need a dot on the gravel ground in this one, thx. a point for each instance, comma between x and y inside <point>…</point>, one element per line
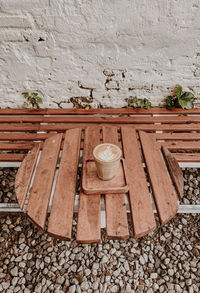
<point>164,261</point>
<point>167,260</point>
<point>7,185</point>
<point>191,177</point>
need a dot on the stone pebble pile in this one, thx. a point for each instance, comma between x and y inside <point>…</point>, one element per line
<point>167,260</point>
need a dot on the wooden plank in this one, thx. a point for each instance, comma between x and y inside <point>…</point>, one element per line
<point>179,145</point>
<point>42,184</point>
<point>16,146</point>
<point>187,157</point>
<point>108,111</point>
<point>177,136</point>
<point>25,136</point>
<point>21,127</point>
<point>60,221</point>
<point>163,191</point>
<point>101,119</point>
<point>88,226</point>
<point>174,170</point>
<point>144,127</point>
<point>116,217</point>
<point>12,157</point>
<point>143,220</point>
<point>24,174</point>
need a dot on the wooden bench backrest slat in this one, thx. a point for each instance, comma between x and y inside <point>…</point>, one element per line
<point>187,157</point>
<point>95,119</point>
<point>24,127</point>
<point>12,157</point>
<point>109,111</point>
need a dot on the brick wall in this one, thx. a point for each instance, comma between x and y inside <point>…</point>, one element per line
<point>97,52</point>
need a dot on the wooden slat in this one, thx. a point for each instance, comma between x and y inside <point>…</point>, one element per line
<point>26,146</point>
<point>116,217</point>
<point>60,221</point>
<point>143,220</point>
<point>174,170</point>
<point>177,136</point>
<point>144,127</point>
<point>88,226</point>
<point>21,127</point>
<point>103,119</point>
<point>24,136</point>
<point>179,145</point>
<point>11,136</point>
<point>16,146</point>
<point>112,111</point>
<point>187,157</point>
<point>24,174</point>
<point>163,191</point>
<point>42,184</point>
<point>12,157</point>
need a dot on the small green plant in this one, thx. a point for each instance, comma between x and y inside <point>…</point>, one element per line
<point>139,103</point>
<point>32,99</point>
<point>87,107</point>
<point>180,99</point>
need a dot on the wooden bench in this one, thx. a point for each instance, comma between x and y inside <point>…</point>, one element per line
<point>150,146</point>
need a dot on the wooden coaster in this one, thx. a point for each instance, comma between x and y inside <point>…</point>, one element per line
<point>92,184</point>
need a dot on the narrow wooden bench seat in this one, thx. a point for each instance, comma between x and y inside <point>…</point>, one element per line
<point>56,145</point>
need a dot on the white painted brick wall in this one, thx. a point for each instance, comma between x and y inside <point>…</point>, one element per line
<point>97,51</point>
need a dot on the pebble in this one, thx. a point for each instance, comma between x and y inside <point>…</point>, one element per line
<point>153,275</point>
<point>171,272</point>
<point>60,280</point>
<point>85,286</point>
<point>74,268</point>
<point>165,262</point>
<point>95,266</point>
<point>14,272</point>
<point>114,289</point>
<point>142,260</point>
<point>72,289</point>
<point>105,259</point>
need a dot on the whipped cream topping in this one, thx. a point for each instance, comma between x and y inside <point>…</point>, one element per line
<point>107,154</point>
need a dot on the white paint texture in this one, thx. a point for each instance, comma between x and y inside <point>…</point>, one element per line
<point>103,51</point>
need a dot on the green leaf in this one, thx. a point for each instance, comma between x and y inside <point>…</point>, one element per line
<point>39,100</point>
<point>148,104</point>
<point>88,107</point>
<point>141,103</point>
<point>188,95</point>
<point>35,94</point>
<point>169,102</point>
<point>25,104</point>
<point>186,101</point>
<point>186,104</point>
<point>132,101</point>
<point>178,90</point>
